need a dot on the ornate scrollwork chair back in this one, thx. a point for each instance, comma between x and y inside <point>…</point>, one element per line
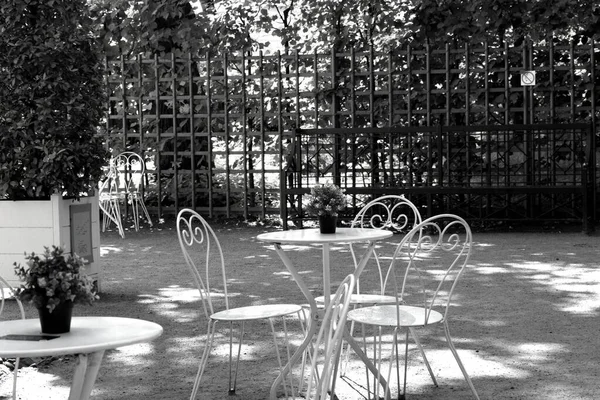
<point>204,258</point>
<point>390,212</point>
<point>130,181</point>
<point>423,273</point>
<point>109,199</point>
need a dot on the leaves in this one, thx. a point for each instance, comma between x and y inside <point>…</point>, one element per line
<point>327,199</point>
<point>53,279</point>
<point>173,26</point>
<point>52,100</point>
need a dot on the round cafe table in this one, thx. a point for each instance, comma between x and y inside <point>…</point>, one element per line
<point>314,236</point>
<point>89,338</point>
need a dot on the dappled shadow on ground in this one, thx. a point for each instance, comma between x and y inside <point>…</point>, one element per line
<point>524,319</point>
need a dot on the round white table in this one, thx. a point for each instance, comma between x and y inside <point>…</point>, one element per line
<point>89,338</point>
<point>314,236</point>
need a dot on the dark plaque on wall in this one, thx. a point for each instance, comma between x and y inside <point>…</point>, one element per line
<point>81,231</point>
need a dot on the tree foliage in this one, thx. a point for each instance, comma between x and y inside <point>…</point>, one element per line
<point>51,95</point>
<point>163,26</point>
<point>148,26</point>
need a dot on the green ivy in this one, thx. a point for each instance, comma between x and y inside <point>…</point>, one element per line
<point>52,97</point>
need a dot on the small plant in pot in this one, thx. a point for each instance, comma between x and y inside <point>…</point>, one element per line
<point>325,202</point>
<point>53,283</point>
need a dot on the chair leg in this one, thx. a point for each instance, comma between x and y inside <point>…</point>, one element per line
<point>345,357</point>
<point>16,373</point>
<point>104,216</point>
<point>233,374</point>
<point>302,317</point>
<point>375,391</point>
<point>210,334</point>
<point>377,361</point>
<point>413,332</point>
<point>395,356</point>
<point>364,335</point>
<point>403,396</point>
<point>117,214</point>
<point>457,358</point>
<point>289,356</point>
<point>136,213</point>
<point>112,212</point>
<point>145,210</point>
<point>107,215</point>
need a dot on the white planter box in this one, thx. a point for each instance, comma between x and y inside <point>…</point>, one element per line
<point>29,225</point>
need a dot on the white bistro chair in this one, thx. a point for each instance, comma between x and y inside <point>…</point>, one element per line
<point>6,292</point>
<point>423,275</point>
<point>389,212</point>
<point>130,168</point>
<point>327,347</point>
<point>204,258</point>
<point>110,199</point>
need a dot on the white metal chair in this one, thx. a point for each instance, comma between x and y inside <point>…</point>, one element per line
<point>423,274</point>
<point>130,173</point>
<point>5,293</point>
<point>328,344</point>
<point>109,199</point>
<point>204,257</point>
<point>390,212</point>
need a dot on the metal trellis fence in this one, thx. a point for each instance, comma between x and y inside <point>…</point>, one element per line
<point>216,131</point>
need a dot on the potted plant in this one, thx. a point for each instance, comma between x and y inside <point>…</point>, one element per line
<point>325,202</point>
<point>53,283</point>
<point>52,103</point>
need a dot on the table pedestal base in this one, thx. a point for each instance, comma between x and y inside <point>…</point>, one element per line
<point>86,371</point>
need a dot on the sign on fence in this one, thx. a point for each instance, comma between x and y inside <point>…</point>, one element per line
<point>528,78</point>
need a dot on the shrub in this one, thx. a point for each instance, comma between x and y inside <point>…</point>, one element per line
<point>52,97</point>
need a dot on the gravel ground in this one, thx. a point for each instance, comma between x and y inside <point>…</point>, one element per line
<point>525,322</point>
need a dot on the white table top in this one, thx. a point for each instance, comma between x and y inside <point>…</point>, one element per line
<point>88,335</point>
<point>341,235</point>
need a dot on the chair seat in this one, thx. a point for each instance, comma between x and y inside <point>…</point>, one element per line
<point>256,312</point>
<point>386,315</point>
<point>368,299</point>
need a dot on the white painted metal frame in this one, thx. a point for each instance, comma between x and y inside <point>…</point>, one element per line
<point>109,199</point>
<point>394,213</point>
<point>130,168</point>
<point>201,247</point>
<point>391,212</point>
<point>6,291</point>
<point>313,236</point>
<point>327,347</point>
<point>424,272</point>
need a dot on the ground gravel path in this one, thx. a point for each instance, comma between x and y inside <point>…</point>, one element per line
<point>525,321</point>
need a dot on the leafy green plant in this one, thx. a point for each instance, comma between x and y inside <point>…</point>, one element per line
<point>52,96</point>
<point>327,199</point>
<point>53,279</point>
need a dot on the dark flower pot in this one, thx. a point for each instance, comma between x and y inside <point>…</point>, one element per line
<point>327,223</point>
<point>57,321</point>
